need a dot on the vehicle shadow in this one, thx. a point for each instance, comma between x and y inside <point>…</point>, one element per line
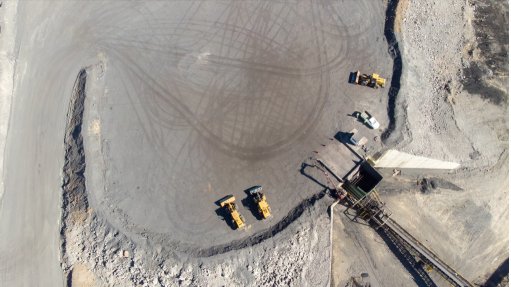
<point>222,213</point>
<point>357,115</point>
<point>343,137</point>
<point>250,204</point>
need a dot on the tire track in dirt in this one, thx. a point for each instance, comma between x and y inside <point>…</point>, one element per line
<point>297,211</point>
<point>172,101</point>
<point>160,108</point>
<point>75,202</point>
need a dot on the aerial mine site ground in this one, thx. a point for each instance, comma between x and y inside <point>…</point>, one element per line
<point>124,124</point>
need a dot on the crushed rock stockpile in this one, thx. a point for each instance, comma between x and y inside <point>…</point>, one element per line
<point>440,106</point>
<point>75,207</point>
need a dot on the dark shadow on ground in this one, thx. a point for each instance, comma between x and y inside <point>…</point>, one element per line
<point>419,275</point>
<point>499,274</point>
<point>343,137</point>
<point>263,235</point>
<point>222,212</point>
<point>395,53</point>
<point>304,173</point>
<point>250,204</point>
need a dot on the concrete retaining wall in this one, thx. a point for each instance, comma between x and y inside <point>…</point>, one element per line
<point>397,159</point>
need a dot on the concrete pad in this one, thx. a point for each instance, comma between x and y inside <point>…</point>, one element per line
<point>397,159</point>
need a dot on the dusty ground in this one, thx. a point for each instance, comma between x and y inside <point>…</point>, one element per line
<point>7,62</point>
<point>170,125</point>
<point>234,104</point>
<point>452,105</point>
<point>466,215</point>
<point>361,256</point>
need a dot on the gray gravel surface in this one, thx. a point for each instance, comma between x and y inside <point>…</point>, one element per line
<point>187,102</point>
<point>466,221</point>
<point>221,98</point>
<point>190,101</point>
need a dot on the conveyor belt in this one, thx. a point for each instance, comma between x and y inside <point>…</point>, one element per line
<point>429,256</point>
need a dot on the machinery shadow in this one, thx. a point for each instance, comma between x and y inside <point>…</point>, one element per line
<point>499,274</point>
<point>249,203</point>
<point>304,173</point>
<point>343,137</point>
<point>356,114</point>
<point>222,213</point>
<point>353,115</point>
<point>419,275</point>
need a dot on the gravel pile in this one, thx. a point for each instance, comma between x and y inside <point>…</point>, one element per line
<point>299,258</point>
<point>465,222</point>
<point>433,43</point>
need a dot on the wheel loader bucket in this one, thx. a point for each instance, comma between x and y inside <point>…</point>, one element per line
<point>255,189</point>
<point>379,80</point>
<point>226,200</point>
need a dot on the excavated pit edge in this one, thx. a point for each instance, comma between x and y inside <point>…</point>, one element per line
<point>263,235</point>
<point>392,133</point>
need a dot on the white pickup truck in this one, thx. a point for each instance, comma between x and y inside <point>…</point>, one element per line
<point>368,119</point>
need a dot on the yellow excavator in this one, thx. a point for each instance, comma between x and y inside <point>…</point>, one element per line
<point>259,200</point>
<point>374,80</point>
<point>229,205</point>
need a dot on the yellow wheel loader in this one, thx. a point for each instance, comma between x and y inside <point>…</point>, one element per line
<point>259,200</point>
<point>229,205</point>
<point>374,80</point>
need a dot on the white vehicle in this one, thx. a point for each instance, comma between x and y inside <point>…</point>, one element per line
<point>369,120</point>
